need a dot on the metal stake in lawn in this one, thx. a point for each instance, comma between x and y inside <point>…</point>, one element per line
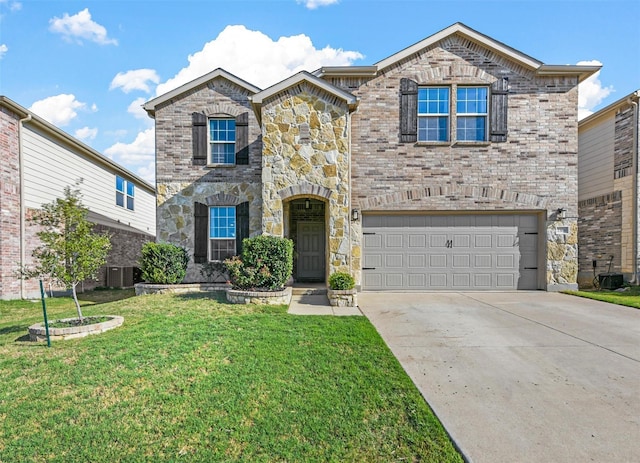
<point>44,311</point>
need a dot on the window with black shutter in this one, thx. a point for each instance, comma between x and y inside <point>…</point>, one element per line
<point>199,136</point>
<point>242,225</point>
<point>408,111</point>
<point>242,139</point>
<point>200,233</point>
<point>499,109</point>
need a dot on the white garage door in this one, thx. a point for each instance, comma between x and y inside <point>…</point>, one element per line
<point>450,252</point>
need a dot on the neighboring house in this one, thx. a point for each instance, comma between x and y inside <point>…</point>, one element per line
<point>608,191</point>
<point>38,161</point>
<point>449,165</point>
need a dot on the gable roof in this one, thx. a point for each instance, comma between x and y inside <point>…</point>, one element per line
<point>485,41</point>
<point>633,97</point>
<point>150,106</point>
<point>55,132</point>
<point>296,79</point>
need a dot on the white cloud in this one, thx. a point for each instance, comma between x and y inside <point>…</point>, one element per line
<point>591,92</point>
<point>86,133</point>
<point>135,108</point>
<point>13,6</point>
<point>58,109</point>
<point>80,26</point>
<point>3,50</point>
<point>313,4</point>
<point>137,79</point>
<point>256,58</point>
<point>138,155</point>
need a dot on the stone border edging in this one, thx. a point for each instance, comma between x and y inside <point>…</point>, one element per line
<point>37,332</point>
<point>237,296</point>
<point>342,297</point>
<point>152,288</point>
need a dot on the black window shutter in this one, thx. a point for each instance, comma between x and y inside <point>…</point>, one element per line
<point>499,107</point>
<point>408,111</point>
<point>242,139</point>
<point>199,134</point>
<point>242,225</point>
<point>200,233</point>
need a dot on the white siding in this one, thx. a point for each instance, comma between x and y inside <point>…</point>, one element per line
<point>50,165</point>
<point>595,159</point>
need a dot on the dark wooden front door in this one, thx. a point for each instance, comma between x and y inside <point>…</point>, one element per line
<point>310,242</point>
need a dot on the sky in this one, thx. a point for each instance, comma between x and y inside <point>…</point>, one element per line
<point>88,66</point>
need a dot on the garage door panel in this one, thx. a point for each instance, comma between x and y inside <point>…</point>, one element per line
<point>470,251</point>
<point>417,261</point>
<point>461,280</point>
<point>394,280</point>
<point>461,261</point>
<point>394,240</point>
<point>417,241</point>
<point>394,261</point>
<point>438,280</point>
<point>438,261</point>
<point>482,280</point>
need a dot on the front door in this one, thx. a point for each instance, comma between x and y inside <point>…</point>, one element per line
<point>310,242</point>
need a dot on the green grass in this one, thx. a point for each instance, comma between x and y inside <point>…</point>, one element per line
<point>190,378</point>
<point>630,298</point>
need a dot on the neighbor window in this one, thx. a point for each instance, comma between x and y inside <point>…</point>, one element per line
<point>125,193</point>
<point>222,232</point>
<point>471,113</point>
<point>222,141</point>
<point>433,114</point>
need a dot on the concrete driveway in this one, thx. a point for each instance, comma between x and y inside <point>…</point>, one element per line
<point>520,376</point>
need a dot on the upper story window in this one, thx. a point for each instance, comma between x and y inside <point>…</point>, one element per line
<point>222,141</point>
<point>444,113</point>
<point>433,114</point>
<point>125,193</point>
<point>471,113</point>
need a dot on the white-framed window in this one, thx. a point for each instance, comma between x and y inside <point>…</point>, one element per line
<point>222,141</point>
<point>125,193</point>
<point>471,113</point>
<point>433,113</point>
<point>222,232</point>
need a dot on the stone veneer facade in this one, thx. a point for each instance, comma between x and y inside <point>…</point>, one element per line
<point>311,164</point>
<point>305,142</point>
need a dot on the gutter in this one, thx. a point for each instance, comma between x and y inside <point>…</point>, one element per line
<point>634,144</point>
<point>22,201</point>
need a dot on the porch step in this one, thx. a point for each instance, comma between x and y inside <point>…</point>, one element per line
<point>308,291</point>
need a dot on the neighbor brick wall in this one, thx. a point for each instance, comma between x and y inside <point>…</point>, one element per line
<point>599,235</point>
<point>9,204</point>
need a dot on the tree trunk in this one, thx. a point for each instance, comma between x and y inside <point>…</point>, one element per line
<point>75,299</point>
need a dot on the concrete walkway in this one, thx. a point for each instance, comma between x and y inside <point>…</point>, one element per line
<point>313,300</point>
<point>521,376</point>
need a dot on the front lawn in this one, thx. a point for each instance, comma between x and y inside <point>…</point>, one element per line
<point>190,378</point>
<point>630,298</point>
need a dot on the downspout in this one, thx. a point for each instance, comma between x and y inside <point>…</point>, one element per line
<point>22,206</point>
<point>634,144</point>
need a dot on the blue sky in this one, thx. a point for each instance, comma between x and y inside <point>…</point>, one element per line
<point>87,66</point>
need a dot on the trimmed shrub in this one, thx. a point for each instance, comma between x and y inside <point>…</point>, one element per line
<point>163,263</point>
<point>341,280</point>
<point>266,263</point>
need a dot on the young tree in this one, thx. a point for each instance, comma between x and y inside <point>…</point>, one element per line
<point>70,252</point>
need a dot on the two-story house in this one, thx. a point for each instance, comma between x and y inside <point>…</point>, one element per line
<point>608,191</point>
<point>38,161</point>
<point>451,164</point>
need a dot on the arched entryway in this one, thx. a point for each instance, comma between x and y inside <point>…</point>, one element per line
<point>307,229</point>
